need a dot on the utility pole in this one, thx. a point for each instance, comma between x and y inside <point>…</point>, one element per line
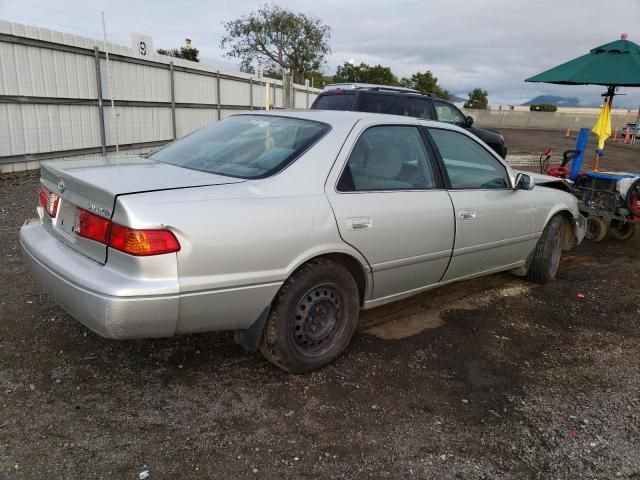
<point>114,113</point>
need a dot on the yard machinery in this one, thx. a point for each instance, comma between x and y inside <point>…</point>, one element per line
<point>609,200</point>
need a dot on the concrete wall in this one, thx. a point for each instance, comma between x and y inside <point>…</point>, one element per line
<point>543,120</point>
<point>55,97</point>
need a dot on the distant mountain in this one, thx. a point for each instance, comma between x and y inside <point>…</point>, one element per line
<point>553,100</point>
<point>457,99</point>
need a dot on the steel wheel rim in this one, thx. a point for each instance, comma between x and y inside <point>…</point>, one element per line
<point>316,318</point>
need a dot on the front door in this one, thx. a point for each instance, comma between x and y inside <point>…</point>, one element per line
<point>493,221</point>
<point>390,205</point>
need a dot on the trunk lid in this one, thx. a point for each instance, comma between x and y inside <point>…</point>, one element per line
<point>93,185</point>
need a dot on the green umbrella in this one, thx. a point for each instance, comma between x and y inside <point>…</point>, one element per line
<point>615,64</point>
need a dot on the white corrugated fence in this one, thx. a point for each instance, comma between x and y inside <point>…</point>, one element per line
<point>55,99</point>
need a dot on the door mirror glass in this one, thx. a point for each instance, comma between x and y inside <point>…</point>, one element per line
<point>468,121</point>
<point>524,182</point>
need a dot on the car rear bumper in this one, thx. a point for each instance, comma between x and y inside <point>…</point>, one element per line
<point>117,304</point>
<point>58,269</point>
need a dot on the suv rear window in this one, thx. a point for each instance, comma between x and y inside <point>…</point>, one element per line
<point>335,101</point>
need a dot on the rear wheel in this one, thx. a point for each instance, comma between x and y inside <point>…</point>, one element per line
<point>622,230</point>
<point>596,229</point>
<point>546,256</point>
<point>312,318</point>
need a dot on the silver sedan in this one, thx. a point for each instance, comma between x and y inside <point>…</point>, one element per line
<point>282,226</point>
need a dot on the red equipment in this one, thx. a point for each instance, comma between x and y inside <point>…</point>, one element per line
<point>560,172</point>
<point>635,206</point>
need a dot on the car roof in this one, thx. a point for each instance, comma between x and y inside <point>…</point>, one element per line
<point>336,117</point>
<point>377,89</point>
<point>367,86</point>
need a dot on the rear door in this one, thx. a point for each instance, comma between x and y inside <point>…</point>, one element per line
<point>493,221</point>
<point>391,205</point>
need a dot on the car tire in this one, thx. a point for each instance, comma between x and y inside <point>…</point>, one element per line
<point>596,229</point>
<point>546,256</point>
<point>622,231</point>
<point>313,317</point>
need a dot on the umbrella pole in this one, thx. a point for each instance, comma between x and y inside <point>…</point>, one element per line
<point>610,93</point>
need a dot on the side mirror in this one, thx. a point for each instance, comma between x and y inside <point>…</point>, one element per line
<point>524,182</point>
<point>468,121</point>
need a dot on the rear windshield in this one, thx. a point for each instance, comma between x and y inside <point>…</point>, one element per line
<point>335,101</point>
<point>244,146</point>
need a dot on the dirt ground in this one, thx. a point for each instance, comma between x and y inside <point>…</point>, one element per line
<point>617,156</point>
<point>486,379</point>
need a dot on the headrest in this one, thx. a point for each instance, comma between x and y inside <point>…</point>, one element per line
<point>384,162</point>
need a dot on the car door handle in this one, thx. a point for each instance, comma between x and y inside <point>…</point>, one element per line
<point>467,214</point>
<point>359,223</point>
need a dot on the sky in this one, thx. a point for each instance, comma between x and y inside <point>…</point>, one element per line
<point>491,44</point>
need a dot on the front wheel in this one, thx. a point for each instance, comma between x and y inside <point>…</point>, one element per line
<point>546,256</point>
<point>313,317</point>
<point>596,229</point>
<point>622,230</point>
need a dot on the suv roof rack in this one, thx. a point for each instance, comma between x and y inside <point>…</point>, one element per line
<point>368,86</point>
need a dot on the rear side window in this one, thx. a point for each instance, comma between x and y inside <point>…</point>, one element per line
<point>468,164</point>
<point>388,157</point>
<point>338,101</point>
<point>378,103</point>
<point>420,108</point>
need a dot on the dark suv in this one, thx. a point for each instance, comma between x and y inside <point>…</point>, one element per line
<point>402,101</point>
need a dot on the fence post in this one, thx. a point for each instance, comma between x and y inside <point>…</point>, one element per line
<point>218,92</point>
<point>103,138</point>
<point>173,101</point>
<point>306,84</point>
<point>251,93</point>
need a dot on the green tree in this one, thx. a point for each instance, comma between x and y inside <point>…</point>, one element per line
<point>363,73</point>
<point>478,98</point>
<point>187,52</point>
<point>425,83</point>
<point>543,107</point>
<point>278,39</point>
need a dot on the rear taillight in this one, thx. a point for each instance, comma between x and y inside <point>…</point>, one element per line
<point>142,242</point>
<point>125,239</point>
<point>92,226</point>
<point>48,201</point>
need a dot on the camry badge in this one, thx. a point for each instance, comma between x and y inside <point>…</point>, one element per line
<point>61,186</point>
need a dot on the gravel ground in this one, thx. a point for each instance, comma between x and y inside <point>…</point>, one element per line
<point>483,379</point>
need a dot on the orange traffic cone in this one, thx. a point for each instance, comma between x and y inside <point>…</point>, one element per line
<point>615,135</point>
<point>627,136</point>
<point>568,134</point>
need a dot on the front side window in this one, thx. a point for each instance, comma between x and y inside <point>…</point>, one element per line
<point>448,113</point>
<point>389,157</point>
<point>468,164</point>
<point>244,146</point>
